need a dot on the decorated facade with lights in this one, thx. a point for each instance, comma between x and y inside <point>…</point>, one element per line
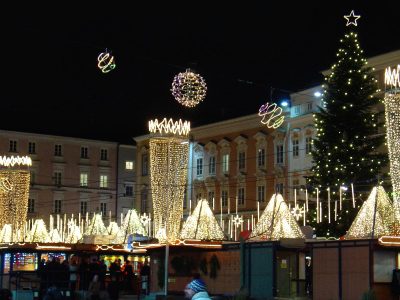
<point>169,153</point>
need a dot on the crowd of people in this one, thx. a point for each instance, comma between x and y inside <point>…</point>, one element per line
<point>92,277</point>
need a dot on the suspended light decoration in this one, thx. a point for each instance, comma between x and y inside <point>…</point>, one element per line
<point>189,88</point>
<point>271,115</point>
<point>106,62</point>
<point>392,120</point>
<point>352,18</point>
<point>168,173</point>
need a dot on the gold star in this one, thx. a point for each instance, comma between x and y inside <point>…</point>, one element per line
<point>352,19</point>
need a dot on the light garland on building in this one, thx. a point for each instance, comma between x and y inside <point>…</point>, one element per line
<point>392,120</point>
<point>202,224</point>
<point>276,222</point>
<point>169,127</point>
<point>168,174</point>
<point>106,62</point>
<point>378,204</point>
<point>14,202</point>
<point>271,115</point>
<point>189,88</point>
<point>11,161</point>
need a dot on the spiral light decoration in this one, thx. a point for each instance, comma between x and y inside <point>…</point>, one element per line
<point>189,88</point>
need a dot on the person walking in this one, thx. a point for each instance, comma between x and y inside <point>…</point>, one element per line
<point>196,290</point>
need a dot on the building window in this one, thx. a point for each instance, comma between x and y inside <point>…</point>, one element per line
<point>13,146</point>
<point>31,205</point>
<point>308,145</point>
<point>211,166</point>
<point>143,202</point>
<point>104,181</point>
<point>295,148</point>
<point>309,106</point>
<point>225,163</point>
<point>129,190</point>
<point>261,157</point>
<point>84,152</point>
<point>84,179</point>
<point>57,150</point>
<point>32,148</point>
<point>224,198</point>
<point>199,167</point>
<point>241,196</point>
<point>103,154</point>
<point>103,209</point>
<point>84,207</point>
<point>279,188</point>
<point>211,198</point>
<point>32,177</point>
<point>57,178</point>
<point>129,165</point>
<point>279,154</point>
<point>296,110</point>
<point>57,206</point>
<point>145,164</point>
<point>242,160</point>
<point>261,193</point>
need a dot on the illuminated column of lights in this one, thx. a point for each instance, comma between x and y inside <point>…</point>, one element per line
<point>168,173</point>
<point>392,118</point>
<point>363,224</point>
<point>14,194</point>
<point>276,222</point>
<point>201,224</point>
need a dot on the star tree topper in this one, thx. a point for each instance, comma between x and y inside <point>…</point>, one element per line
<point>352,19</point>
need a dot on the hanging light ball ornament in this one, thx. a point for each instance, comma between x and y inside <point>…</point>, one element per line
<point>106,62</point>
<point>189,88</point>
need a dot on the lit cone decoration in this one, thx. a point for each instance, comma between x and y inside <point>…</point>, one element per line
<point>276,222</point>
<point>202,225</point>
<point>363,223</point>
<point>96,226</point>
<point>39,232</point>
<point>131,225</point>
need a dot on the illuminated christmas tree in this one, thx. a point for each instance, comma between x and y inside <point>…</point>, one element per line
<point>201,224</point>
<point>39,232</point>
<point>377,205</point>
<point>345,148</point>
<point>96,226</point>
<point>276,222</point>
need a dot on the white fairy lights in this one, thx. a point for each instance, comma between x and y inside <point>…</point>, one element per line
<point>168,173</point>
<point>189,88</point>
<point>276,222</point>
<point>377,205</point>
<point>392,120</point>
<point>170,127</point>
<point>14,196</point>
<point>201,224</point>
<point>11,161</point>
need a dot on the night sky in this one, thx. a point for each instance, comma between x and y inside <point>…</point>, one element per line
<point>51,83</point>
